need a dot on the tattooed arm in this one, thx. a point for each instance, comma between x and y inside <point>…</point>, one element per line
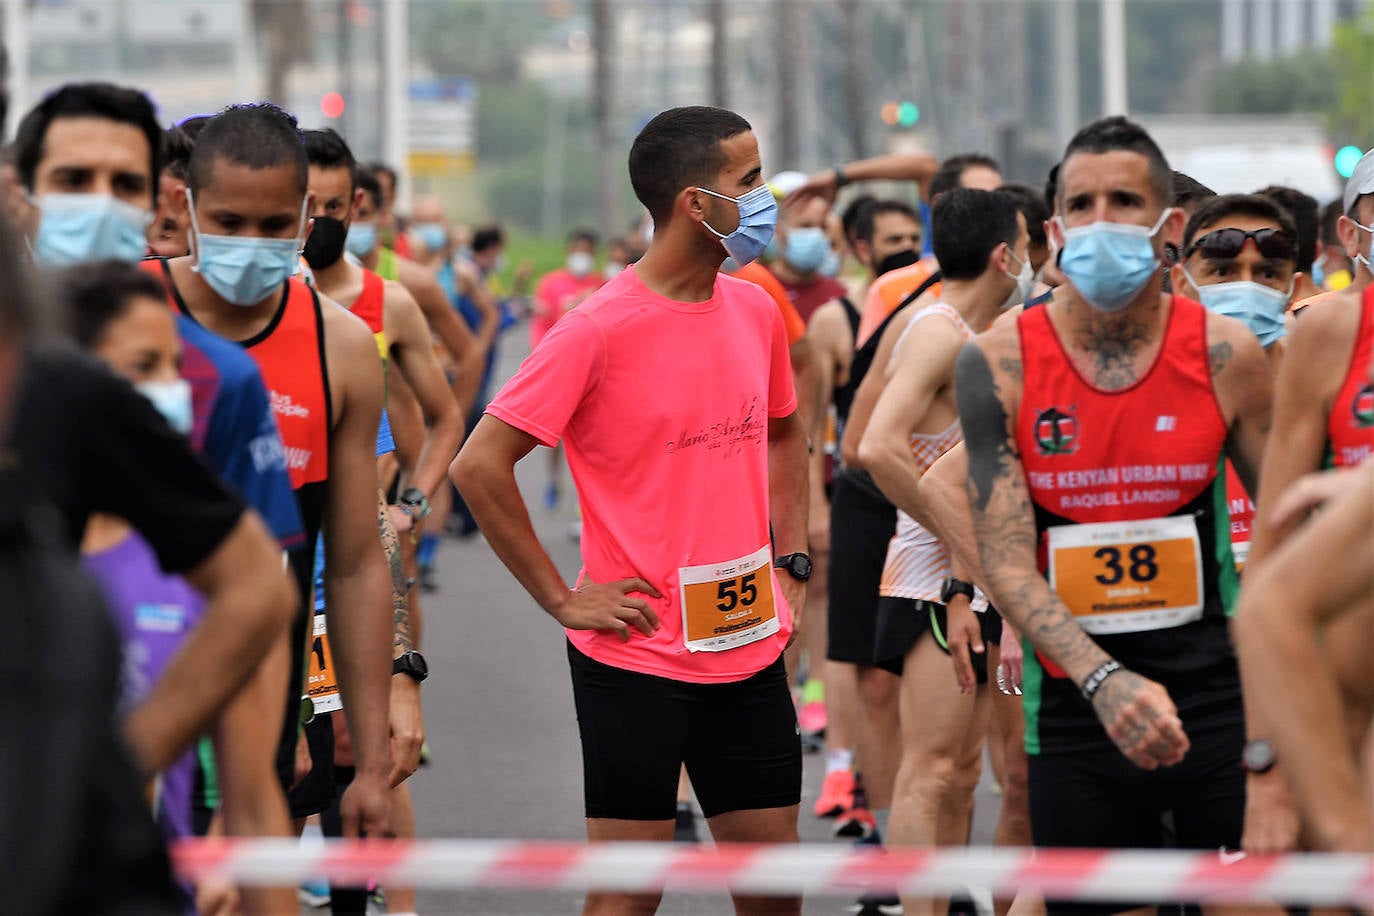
<point>1244,387</point>
<point>407,716</point>
<point>1136,713</point>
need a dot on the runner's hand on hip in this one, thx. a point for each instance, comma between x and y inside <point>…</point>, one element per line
<point>610,607</point>
<point>1139,716</point>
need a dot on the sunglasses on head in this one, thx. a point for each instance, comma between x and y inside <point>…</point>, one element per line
<point>1224,244</point>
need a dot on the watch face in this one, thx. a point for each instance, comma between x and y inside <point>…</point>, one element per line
<point>1258,756</point>
<point>417,661</point>
<point>801,566</point>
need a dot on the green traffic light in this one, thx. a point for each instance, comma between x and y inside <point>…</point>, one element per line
<point>1347,157</point>
<point>908,114</point>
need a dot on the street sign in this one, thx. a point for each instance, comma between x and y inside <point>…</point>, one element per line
<point>442,125</point>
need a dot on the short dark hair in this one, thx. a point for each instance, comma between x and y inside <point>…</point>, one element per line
<point>381,168</point>
<point>868,220</point>
<point>966,225</point>
<point>367,180</point>
<point>1217,208</point>
<point>679,148</point>
<point>177,146</point>
<point>584,234</point>
<point>1303,208</point>
<point>1107,135</point>
<point>951,171</point>
<point>1032,207</point>
<point>96,295</point>
<point>852,213</point>
<point>1188,191</point>
<point>1330,218</point>
<point>1052,188</point>
<point>485,237</point>
<point>325,149</point>
<point>193,125</point>
<point>86,100</point>
<point>259,135</point>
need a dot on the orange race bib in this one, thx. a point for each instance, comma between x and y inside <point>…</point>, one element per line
<point>726,605</point>
<point>1128,577</point>
<point>321,681</point>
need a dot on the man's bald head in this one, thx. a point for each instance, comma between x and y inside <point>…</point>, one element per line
<point>428,209</point>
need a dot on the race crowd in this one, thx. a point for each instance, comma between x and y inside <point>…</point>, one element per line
<point>1070,478</point>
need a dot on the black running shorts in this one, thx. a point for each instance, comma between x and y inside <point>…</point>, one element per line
<point>739,741</point>
<point>1099,799</point>
<point>862,522</point>
<point>903,621</point>
<point>317,790</point>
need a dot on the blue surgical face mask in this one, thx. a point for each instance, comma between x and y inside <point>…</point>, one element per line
<point>173,401</point>
<point>1260,307</point>
<point>1109,263</point>
<point>806,249</point>
<point>361,239</point>
<point>244,270</point>
<point>830,267</point>
<point>79,228</point>
<point>432,235</point>
<point>758,218</point>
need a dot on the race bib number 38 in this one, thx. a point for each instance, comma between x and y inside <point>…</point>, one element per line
<point>1128,577</point>
<point>725,605</point>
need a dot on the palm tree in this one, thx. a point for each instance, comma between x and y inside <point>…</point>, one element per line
<point>285,25</point>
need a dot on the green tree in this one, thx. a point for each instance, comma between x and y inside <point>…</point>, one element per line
<point>1352,114</point>
<point>1302,83</point>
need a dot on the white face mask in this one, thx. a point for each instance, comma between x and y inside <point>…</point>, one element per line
<point>580,263</point>
<point>1025,282</point>
<point>172,400</point>
<point>1366,259</point>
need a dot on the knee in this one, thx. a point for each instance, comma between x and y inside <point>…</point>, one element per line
<point>878,688</point>
<point>927,777</point>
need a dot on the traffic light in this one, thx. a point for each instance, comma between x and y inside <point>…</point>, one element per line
<point>1347,157</point>
<point>901,114</point>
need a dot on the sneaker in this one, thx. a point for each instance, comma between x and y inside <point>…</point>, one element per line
<point>877,905</point>
<point>429,580</point>
<point>314,894</point>
<point>837,794</point>
<point>424,754</point>
<point>685,825</point>
<point>811,718</point>
<point>855,822</point>
<point>812,744</point>
<point>376,902</point>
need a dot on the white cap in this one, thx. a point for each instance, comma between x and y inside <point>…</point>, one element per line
<point>1361,181</point>
<point>784,183</point>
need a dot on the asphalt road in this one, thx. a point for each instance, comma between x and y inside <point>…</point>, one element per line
<point>499,715</point>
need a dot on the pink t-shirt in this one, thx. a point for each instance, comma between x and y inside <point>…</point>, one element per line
<point>558,292</point>
<point>663,408</point>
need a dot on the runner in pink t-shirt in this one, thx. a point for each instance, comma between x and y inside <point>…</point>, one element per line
<point>671,388</point>
<point>562,290</point>
<point>558,293</point>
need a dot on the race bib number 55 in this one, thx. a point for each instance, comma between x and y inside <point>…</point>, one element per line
<point>730,604</point>
<point>1128,577</point>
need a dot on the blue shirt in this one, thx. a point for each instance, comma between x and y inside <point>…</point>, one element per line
<point>235,430</point>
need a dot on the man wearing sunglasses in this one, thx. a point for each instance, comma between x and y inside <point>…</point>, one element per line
<point>1094,427</point>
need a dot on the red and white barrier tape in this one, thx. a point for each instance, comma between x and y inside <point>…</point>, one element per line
<point>821,870</point>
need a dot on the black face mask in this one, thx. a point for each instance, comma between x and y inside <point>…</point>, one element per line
<point>904,258</point>
<point>326,243</point>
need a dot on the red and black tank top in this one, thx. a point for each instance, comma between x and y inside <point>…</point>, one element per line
<point>290,355</point>
<point>370,307</point>
<point>1131,522</point>
<point>1350,428</point>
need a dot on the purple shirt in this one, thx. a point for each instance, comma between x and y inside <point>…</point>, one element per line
<point>153,612</point>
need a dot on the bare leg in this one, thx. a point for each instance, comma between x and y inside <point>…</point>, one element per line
<point>841,705</point>
<point>936,723</point>
<point>759,825</point>
<point>603,830</point>
<point>879,748</point>
<point>401,899</point>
